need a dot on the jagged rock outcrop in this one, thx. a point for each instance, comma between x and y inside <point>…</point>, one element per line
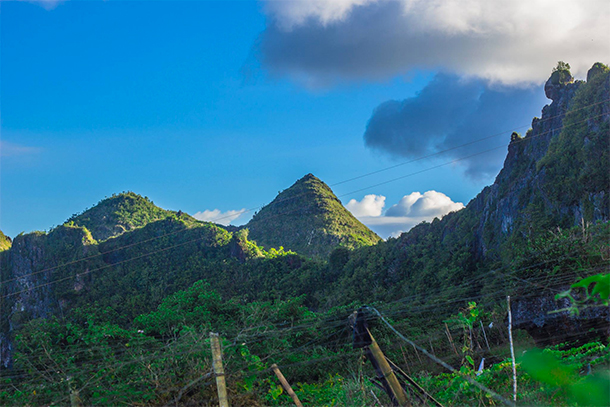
<point>524,188</point>
<point>556,177</point>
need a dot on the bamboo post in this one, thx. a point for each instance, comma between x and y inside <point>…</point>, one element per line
<point>223,400</point>
<point>75,400</point>
<point>512,349</point>
<point>388,373</point>
<point>286,385</point>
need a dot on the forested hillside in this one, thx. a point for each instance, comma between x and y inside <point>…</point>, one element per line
<point>116,305</point>
<point>309,219</point>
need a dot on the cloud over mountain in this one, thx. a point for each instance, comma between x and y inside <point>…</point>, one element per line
<point>408,212</point>
<point>450,112</point>
<point>219,217</point>
<point>371,205</point>
<point>318,43</point>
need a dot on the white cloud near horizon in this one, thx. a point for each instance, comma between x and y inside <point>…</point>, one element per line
<point>319,43</point>
<point>370,205</point>
<point>219,217</point>
<point>411,210</point>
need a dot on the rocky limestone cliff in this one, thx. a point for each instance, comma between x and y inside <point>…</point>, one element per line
<point>28,267</point>
<point>556,177</point>
<point>523,188</point>
<point>550,322</point>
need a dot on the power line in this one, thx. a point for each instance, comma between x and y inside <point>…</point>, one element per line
<point>461,145</point>
<point>443,363</point>
<point>345,181</point>
<point>291,198</point>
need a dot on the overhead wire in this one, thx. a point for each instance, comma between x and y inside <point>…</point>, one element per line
<point>443,363</point>
<point>391,305</point>
<point>348,180</point>
<point>201,238</point>
<point>137,257</point>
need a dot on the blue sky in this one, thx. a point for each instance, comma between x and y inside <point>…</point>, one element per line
<point>195,105</point>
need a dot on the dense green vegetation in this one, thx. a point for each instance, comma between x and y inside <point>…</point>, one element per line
<point>577,161</point>
<point>117,304</point>
<point>164,357</point>
<point>118,214</point>
<point>309,219</point>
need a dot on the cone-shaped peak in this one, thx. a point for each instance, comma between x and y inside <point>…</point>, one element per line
<point>309,219</point>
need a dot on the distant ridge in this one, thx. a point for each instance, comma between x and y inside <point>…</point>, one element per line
<point>308,218</point>
<point>118,214</point>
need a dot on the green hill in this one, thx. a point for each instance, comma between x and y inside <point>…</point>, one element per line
<point>309,219</point>
<point>85,308</point>
<point>118,214</point>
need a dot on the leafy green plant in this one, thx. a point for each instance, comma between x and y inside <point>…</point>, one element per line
<point>546,368</point>
<point>595,292</point>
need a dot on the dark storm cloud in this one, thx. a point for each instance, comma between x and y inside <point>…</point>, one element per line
<point>319,43</point>
<point>450,112</point>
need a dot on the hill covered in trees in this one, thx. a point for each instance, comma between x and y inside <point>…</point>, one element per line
<point>123,296</point>
<point>309,219</point>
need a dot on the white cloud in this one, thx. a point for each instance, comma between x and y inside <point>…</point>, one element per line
<point>293,13</point>
<point>411,210</point>
<point>430,204</point>
<point>216,216</point>
<point>509,42</point>
<point>371,205</point>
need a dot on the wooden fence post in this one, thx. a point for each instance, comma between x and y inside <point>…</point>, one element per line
<point>223,401</point>
<point>286,385</point>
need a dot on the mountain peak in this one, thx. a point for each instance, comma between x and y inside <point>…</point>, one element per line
<point>309,219</point>
<point>308,177</point>
<point>120,213</point>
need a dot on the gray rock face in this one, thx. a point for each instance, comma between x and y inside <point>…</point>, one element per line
<point>32,263</point>
<point>520,181</point>
<point>525,200</point>
<point>553,88</point>
<point>539,317</point>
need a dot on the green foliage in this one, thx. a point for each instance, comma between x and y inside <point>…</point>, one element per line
<point>577,161</point>
<point>546,367</point>
<point>561,74</point>
<point>562,66</point>
<point>118,214</point>
<point>596,292</point>
<point>309,219</point>
<point>167,350</point>
<point>574,376</point>
<point>5,242</point>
